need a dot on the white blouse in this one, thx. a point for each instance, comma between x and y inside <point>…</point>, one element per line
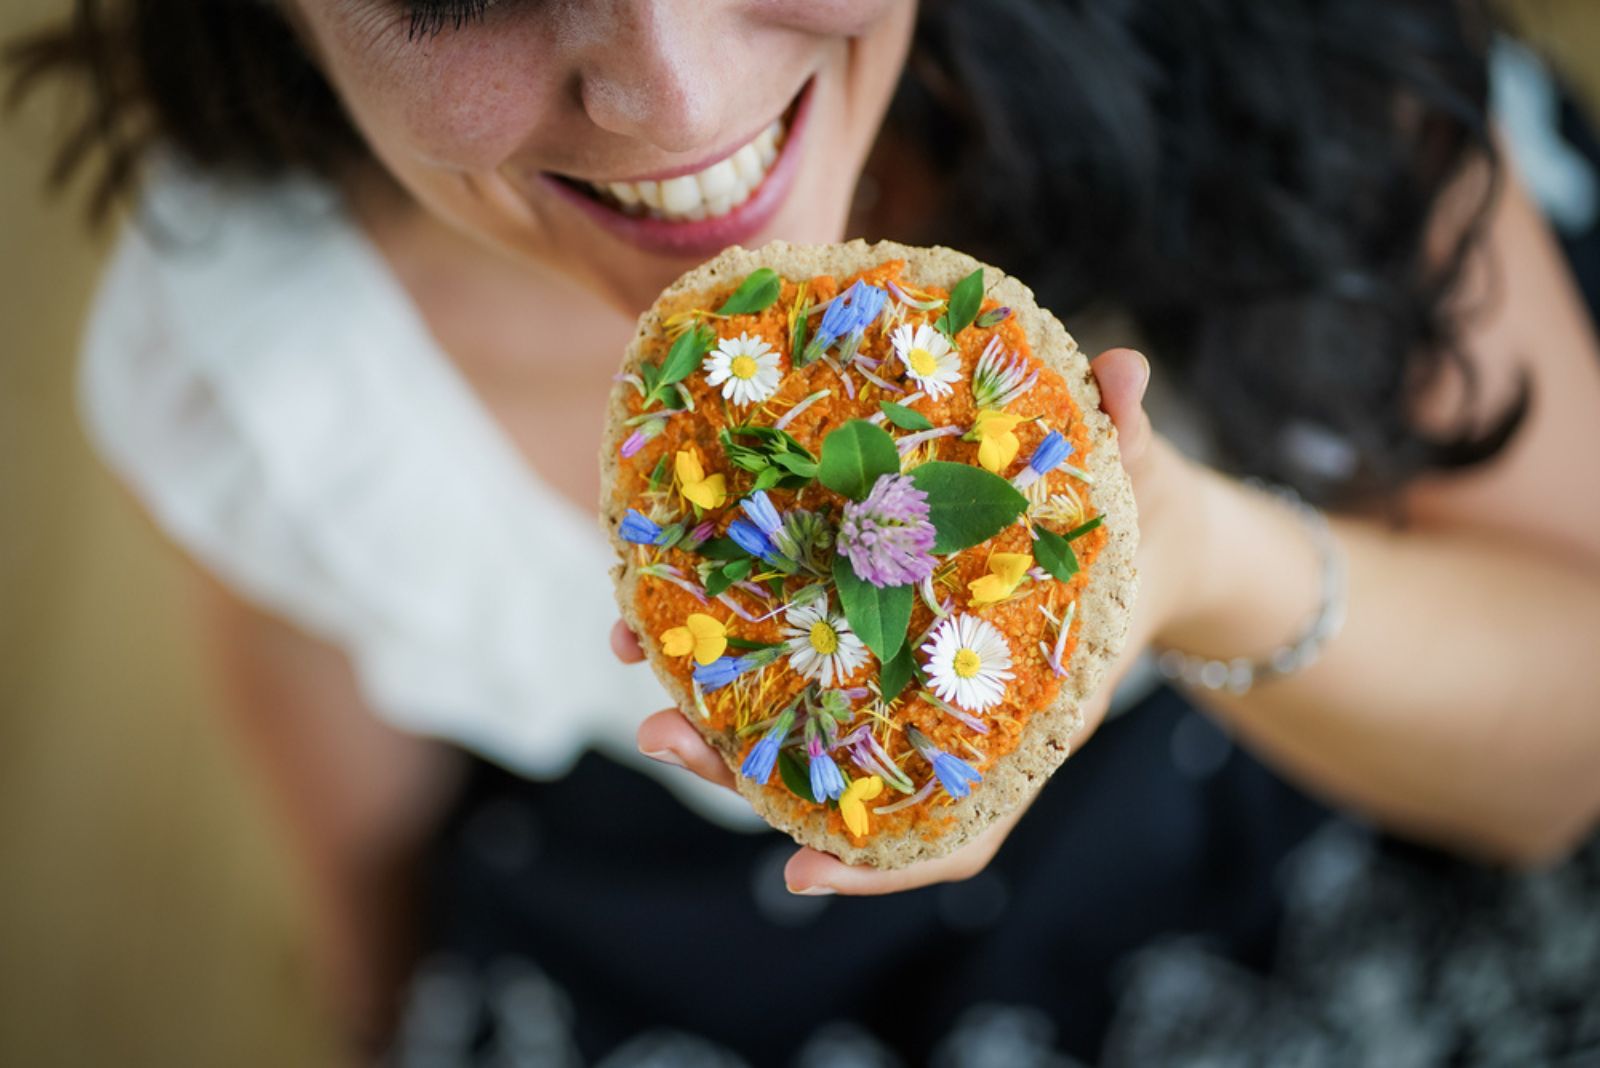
<point>260,380</point>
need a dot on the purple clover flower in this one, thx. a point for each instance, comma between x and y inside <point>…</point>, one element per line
<point>888,537</point>
<point>638,529</point>
<point>1051,453</point>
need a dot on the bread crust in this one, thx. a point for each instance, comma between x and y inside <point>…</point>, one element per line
<point>1104,606</point>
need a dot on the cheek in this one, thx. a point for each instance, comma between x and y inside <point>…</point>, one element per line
<point>464,102</point>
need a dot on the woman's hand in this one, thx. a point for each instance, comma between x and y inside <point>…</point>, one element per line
<point>1160,480</point>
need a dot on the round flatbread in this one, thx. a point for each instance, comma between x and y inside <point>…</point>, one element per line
<point>874,535</point>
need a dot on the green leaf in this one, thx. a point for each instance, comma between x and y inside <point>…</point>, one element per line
<point>966,504</point>
<point>1079,531</point>
<point>746,643</point>
<point>739,570</point>
<point>1055,555</point>
<point>853,457</point>
<point>756,293</point>
<point>767,479</point>
<point>895,674</point>
<point>722,549</point>
<point>797,340</point>
<point>650,375</point>
<point>718,581</point>
<point>965,300</point>
<point>685,355</point>
<point>795,777</point>
<point>904,417</point>
<point>879,615</point>
<point>659,474</point>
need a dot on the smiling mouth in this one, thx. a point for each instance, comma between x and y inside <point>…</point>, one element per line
<point>709,193</point>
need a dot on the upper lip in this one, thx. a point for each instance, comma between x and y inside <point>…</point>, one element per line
<point>679,171</point>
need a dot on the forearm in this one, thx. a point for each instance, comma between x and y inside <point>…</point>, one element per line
<point>1459,700</point>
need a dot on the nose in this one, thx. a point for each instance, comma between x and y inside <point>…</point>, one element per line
<point>654,74</point>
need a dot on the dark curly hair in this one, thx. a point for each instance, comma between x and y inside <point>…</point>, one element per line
<point>1252,182</point>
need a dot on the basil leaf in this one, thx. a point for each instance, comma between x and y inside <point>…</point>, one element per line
<point>795,777</point>
<point>966,504</point>
<point>1055,555</point>
<point>879,615</point>
<point>904,417</point>
<point>756,293</point>
<point>685,355</point>
<point>854,456</point>
<point>896,673</point>
<point>1079,531</point>
<point>965,300</point>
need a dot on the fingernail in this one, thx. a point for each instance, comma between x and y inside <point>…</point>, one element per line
<point>665,756</point>
<point>813,891</point>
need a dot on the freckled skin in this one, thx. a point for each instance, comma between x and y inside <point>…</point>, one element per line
<point>661,605</point>
<point>467,120</point>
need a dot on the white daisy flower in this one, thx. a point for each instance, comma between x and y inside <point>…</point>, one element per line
<point>928,358</point>
<point>968,662</point>
<point>745,367</point>
<point>822,647</point>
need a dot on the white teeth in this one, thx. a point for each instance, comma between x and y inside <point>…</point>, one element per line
<point>680,194</point>
<point>714,191</point>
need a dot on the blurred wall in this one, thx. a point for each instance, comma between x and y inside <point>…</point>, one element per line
<point>145,915</point>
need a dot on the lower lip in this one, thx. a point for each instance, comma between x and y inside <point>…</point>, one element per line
<point>707,236</point>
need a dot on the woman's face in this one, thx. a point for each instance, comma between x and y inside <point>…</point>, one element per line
<point>618,141</point>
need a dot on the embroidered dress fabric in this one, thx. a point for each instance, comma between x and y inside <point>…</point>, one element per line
<point>255,374</point>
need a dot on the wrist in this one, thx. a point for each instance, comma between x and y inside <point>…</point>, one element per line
<point>1251,572</point>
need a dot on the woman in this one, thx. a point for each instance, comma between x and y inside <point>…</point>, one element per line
<point>391,278</point>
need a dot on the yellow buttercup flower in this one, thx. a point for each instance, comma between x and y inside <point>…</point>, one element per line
<point>697,489</point>
<point>852,803</point>
<point>1006,572</point>
<point>998,444</point>
<point>702,635</point>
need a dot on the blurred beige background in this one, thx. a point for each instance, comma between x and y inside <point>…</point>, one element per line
<point>146,916</point>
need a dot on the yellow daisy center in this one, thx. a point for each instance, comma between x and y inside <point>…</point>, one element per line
<point>922,362</point>
<point>742,367</point>
<point>966,663</point>
<point>824,639</point>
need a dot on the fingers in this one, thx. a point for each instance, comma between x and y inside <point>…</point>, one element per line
<point>1123,375</point>
<point>671,739</point>
<point>625,643</point>
<point>811,872</point>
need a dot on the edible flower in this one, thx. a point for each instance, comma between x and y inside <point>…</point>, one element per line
<point>821,645</point>
<point>995,432</point>
<point>954,774</point>
<point>745,367</point>
<point>640,530</point>
<point>747,536</point>
<point>1000,378</point>
<point>758,506</point>
<point>851,803</point>
<point>850,313</point>
<point>645,433</point>
<point>1006,572</point>
<point>697,488</point>
<point>1049,455</point>
<point>827,783</point>
<point>928,357</point>
<point>702,635</point>
<point>968,662</point>
<point>724,669</point>
<point>888,537</point>
<point>699,535</point>
<point>764,754</point>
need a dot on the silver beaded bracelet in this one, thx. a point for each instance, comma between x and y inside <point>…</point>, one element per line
<point>1241,673</point>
